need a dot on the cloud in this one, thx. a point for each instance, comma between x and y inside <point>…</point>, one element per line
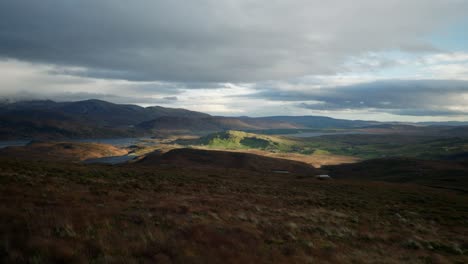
<point>399,97</point>
<point>214,41</point>
<point>238,57</point>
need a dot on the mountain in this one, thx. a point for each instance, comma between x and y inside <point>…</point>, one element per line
<point>48,124</point>
<point>319,122</point>
<point>96,118</point>
<point>447,123</point>
<point>102,112</point>
<point>82,119</point>
<point>211,124</point>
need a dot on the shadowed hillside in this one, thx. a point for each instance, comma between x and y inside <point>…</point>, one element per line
<point>320,122</point>
<point>48,124</point>
<point>73,213</point>
<point>210,124</point>
<point>197,158</point>
<point>101,112</point>
<point>82,119</point>
<point>62,151</point>
<point>434,173</point>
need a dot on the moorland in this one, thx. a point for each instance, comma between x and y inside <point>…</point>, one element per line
<point>195,188</point>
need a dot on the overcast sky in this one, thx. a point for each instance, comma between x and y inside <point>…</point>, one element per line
<point>361,59</point>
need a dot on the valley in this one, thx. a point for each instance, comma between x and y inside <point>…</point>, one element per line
<point>237,132</point>
<point>201,189</point>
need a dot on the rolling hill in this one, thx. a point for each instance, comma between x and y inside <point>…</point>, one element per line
<point>62,151</point>
<point>434,173</point>
<point>198,158</point>
<point>96,118</point>
<point>82,119</point>
<point>232,139</point>
<point>211,124</point>
<point>319,122</point>
<point>101,112</point>
<point>77,213</point>
<point>49,124</point>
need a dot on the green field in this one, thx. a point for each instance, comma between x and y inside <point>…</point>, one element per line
<point>359,145</point>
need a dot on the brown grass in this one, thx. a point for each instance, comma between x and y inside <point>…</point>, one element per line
<point>316,160</point>
<point>64,151</point>
<point>69,213</point>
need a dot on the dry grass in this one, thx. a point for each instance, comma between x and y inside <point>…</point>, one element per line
<point>69,213</point>
<point>316,160</point>
<point>64,151</point>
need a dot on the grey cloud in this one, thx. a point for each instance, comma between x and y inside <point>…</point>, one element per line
<point>212,40</point>
<point>401,97</point>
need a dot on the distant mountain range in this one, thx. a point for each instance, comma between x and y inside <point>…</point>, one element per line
<point>100,112</point>
<point>95,118</point>
<point>320,122</point>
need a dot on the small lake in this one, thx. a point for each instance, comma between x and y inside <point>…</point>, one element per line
<point>13,143</point>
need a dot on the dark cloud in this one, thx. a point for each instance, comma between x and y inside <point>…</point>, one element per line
<point>401,97</point>
<point>212,40</point>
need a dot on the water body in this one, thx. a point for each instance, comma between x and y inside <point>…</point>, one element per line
<point>318,134</point>
<point>13,143</point>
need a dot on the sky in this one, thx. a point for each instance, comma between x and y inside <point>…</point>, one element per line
<point>393,60</point>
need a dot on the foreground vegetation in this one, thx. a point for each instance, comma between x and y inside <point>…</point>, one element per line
<point>71,213</point>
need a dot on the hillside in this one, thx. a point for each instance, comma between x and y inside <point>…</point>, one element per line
<point>319,122</point>
<point>62,151</point>
<point>243,140</point>
<point>48,124</point>
<point>110,114</point>
<point>96,118</point>
<point>209,124</point>
<point>360,146</point>
<point>101,112</point>
<point>197,158</point>
<point>434,173</point>
<point>82,119</point>
<point>73,213</point>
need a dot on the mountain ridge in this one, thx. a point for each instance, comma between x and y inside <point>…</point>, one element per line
<point>96,118</point>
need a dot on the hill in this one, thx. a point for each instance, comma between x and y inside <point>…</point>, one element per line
<point>197,158</point>
<point>361,146</point>
<point>434,173</point>
<point>102,112</point>
<point>75,213</point>
<point>62,151</point>
<point>320,122</point>
<point>232,139</point>
<point>82,119</point>
<point>49,124</point>
<point>210,124</point>
<point>105,113</point>
<point>96,118</point>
